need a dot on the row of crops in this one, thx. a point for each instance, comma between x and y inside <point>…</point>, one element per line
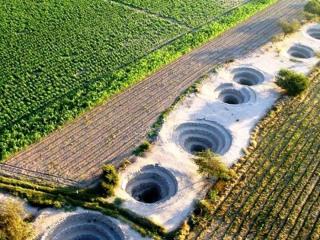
<point>276,195</point>
<point>190,12</point>
<point>58,58</point>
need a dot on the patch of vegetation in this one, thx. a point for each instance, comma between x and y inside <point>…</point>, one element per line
<point>110,180</point>
<point>210,164</point>
<point>13,225</point>
<point>294,83</point>
<point>290,27</point>
<point>189,12</point>
<point>313,7</point>
<point>142,148</point>
<point>56,84</point>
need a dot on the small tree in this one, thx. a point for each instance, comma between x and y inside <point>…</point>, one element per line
<point>294,83</point>
<point>110,179</point>
<point>313,7</point>
<point>12,224</point>
<point>290,27</point>
<point>211,165</point>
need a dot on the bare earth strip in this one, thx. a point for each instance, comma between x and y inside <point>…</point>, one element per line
<point>110,131</point>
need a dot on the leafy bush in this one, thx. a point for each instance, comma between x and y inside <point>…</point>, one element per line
<point>294,83</point>
<point>12,224</point>
<point>313,7</point>
<point>140,150</point>
<point>211,165</point>
<point>184,231</point>
<point>290,27</point>
<point>110,180</point>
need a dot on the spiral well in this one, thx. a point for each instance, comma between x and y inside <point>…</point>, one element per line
<point>301,51</point>
<point>314,32</point>
<point>247,76</point>
<point>152,184</point>
<point>232,95</point>
<point>201,135</point>
<point>85,226</point>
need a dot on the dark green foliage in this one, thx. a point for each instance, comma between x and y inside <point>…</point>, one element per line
<point>50,74</point>
<point>142,148</point>
<point>211,165</point>
<point>294,83</point>
<point>190,12</point>
<point>313,7</point>
<point>110,180</point>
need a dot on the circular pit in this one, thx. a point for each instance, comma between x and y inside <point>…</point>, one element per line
<point>301,51</point>
<point>202,135</point>
<point>85,226</point>
<point>247,76</point>
<point>314,32</point>
<point>236,96</point>
<point>152,184</point>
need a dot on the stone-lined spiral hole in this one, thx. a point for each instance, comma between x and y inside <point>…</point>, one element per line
<point>234,96</point>
<point>314,32</point>
<point>85,226</point>
<point>202,135</point>
<point>152,184</point>
<point>301,51</point>
<point>247,76</point>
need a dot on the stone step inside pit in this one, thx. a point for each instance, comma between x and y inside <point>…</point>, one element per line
<point>301,51</point>
<point>231,94</point>
<point>248,76</point>
<point>197,136</point>
<point>152,184</point>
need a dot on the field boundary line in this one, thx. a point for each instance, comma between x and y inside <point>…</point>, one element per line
<point>7,169</point>
<point>148,12</point>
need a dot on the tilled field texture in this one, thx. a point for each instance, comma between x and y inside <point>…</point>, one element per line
<point>276,195</point>
<point>112,130</point>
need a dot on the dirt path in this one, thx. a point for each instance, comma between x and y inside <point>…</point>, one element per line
<point>111,131</point>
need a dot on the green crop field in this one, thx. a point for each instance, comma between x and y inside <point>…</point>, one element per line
<point>190,12</point>
<point>276,194</point>
<point>59,58</point>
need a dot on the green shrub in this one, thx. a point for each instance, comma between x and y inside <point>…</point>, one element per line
<point>140,150</point>
<point>12,223</point>
<point>313,7</point>
<point>294,83</point>
<point>211,165</point>
<point>290,27</point>
<point>110,180</point>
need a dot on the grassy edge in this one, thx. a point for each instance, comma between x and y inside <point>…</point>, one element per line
<point>19,135</point>
<point>69,199</point>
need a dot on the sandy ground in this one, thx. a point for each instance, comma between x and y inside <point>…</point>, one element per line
<point>239,120</point>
